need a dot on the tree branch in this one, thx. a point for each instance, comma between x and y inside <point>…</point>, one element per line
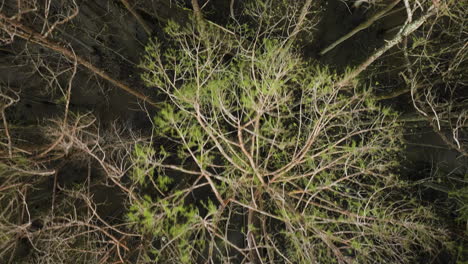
<point>362,26</point>
<point>390,44</point>
<point>28,34</point>
<point>137,16</point>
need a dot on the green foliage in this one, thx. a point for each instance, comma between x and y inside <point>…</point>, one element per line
<point>142,168</point>
<point>171,223</point>
<point>271,131</point>
<point>461,196</point>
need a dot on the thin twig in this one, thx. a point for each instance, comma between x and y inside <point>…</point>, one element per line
<point>301,19</point>
<point>29,34</point>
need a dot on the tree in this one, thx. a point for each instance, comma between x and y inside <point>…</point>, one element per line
<point>242,148</point>
<point>306,166</point>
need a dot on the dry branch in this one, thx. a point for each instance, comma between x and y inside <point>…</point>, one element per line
<point>12,26</point>
<point>302,17</point>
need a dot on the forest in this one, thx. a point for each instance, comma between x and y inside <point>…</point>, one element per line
<point>234,131</point>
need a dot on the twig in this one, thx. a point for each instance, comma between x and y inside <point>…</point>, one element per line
<point>4,188</point>
<point>5,122</point>
<point>62,21</point>
<point>391,95</point>
<point>447,140</point>
<point>231,10</point>
<point>28,34</point>
<point>40,173</point>
<point>302,16</point>
<point>67,105</point>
